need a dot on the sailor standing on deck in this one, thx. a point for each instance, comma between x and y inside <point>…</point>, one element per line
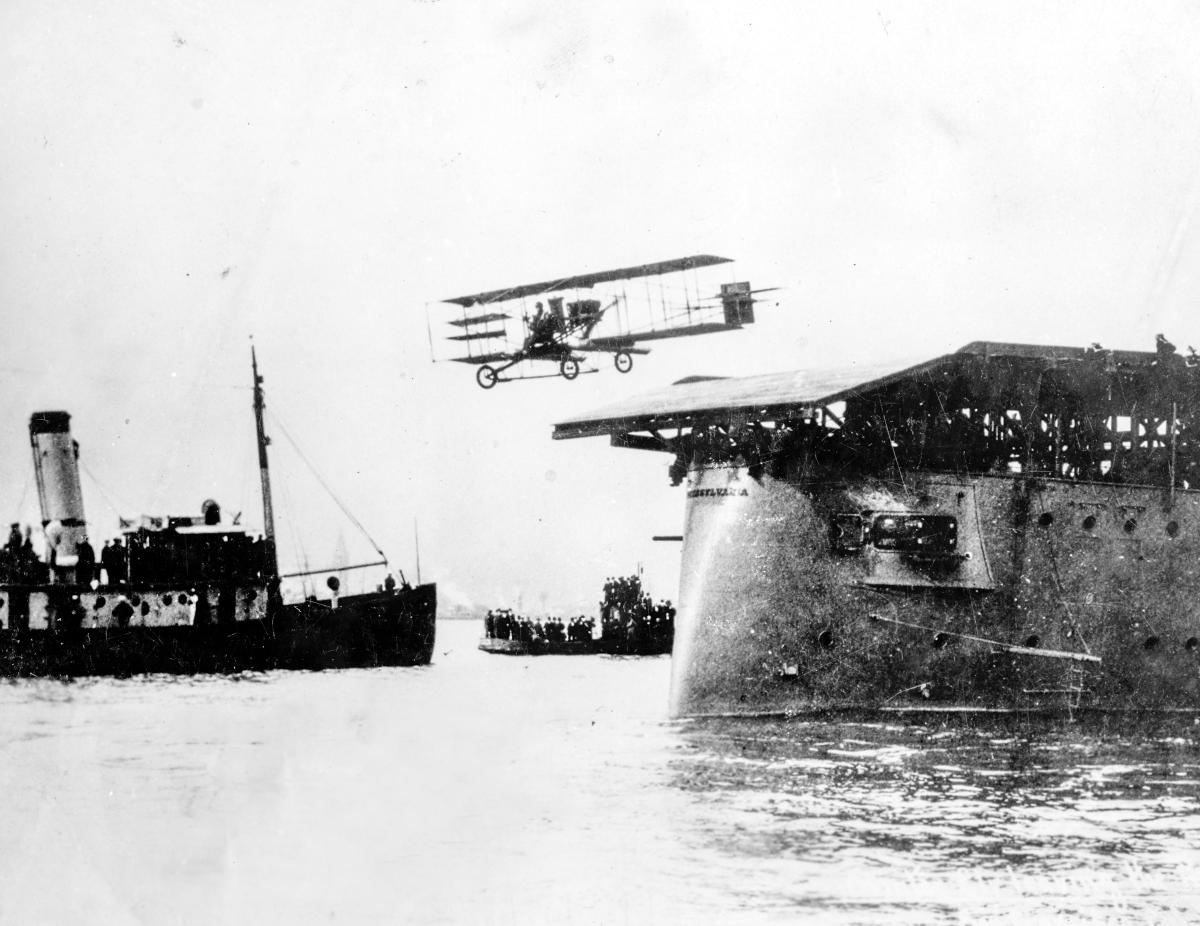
<point>85,564</point>
<point>112,558</point>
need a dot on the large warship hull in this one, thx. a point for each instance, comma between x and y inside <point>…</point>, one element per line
<point>1066,597</point>
<point>66,633</point>
<point>1009,527</point>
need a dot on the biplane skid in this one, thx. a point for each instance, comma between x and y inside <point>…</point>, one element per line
<point>569,357</point>
<point>569,367</point>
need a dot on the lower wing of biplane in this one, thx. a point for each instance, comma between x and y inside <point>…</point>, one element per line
<point>569,322</point>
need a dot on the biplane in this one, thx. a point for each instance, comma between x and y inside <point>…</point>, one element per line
<point>592,313</point>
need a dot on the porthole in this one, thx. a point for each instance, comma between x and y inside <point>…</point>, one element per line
<point>1151,643</point>
<point>252,595</point>
<point>1172,528</point>
<point>940,640</point>
<point>1046,519</point>
<point>135,599</point>
<point>1033,640</point>
<point>183,599</point>
<point>1,602</point>
<point>1089,522</point>
<point>98,603</point>
<point>825,639</point>
<point>1130,526</point>
<point>1191,644</point>
<point>145,608</point>
<point>168,599</point>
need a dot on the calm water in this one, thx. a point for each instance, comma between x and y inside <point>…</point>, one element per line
<point>490,789</point>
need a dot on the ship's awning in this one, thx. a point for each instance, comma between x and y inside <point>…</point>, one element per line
<point>780,395</point>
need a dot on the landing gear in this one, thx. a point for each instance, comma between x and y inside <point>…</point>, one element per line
<point>623,361</point>
<point>485,376</point>
<point>569,368</point>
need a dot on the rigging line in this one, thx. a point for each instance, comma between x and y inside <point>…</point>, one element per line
<point>429,332</point>
<point>100,488</point>
<point>325,485</point>
<point>297,544</point>
<point>313,572</point>
<point>248,466</point>
<point>1006,647</point>
<point>24,492</point>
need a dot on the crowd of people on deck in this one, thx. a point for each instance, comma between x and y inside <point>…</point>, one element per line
<point>629,618</point>
<point>503,624</point>
<point>19,564</point>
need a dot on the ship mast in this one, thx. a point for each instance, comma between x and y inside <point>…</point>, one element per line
<point>264,472</point>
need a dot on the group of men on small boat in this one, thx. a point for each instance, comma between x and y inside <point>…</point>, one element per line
<point>503,624</point>
<point>628,617</point>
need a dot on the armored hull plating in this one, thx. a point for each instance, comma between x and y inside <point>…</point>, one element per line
<point>1009,527</point>
<point>1057,595</point>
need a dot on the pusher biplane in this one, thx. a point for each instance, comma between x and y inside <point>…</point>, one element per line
<point>591,313</point>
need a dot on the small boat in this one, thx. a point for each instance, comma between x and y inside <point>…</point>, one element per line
<point>182,594</point>
<point>631,624</point>
<point>601,647</point>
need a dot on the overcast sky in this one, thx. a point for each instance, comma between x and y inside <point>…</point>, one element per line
<point>177,177</point>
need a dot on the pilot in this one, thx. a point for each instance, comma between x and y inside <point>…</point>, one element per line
<point>535,326</point>
<point>548,325</point>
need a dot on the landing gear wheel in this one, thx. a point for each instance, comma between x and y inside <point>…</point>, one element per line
<point>569,368</point>
<point>623,361</point>
<point>485,376</point>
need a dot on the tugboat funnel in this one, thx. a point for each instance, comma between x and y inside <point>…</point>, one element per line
<point>56,465</point>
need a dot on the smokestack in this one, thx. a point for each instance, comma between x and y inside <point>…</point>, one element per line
<point>56,464</point>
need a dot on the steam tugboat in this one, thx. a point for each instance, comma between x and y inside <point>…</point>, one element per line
<point>1009,527</point>
<point>181,594</point>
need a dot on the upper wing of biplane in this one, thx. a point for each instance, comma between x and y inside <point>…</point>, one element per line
<point>588,280</point>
